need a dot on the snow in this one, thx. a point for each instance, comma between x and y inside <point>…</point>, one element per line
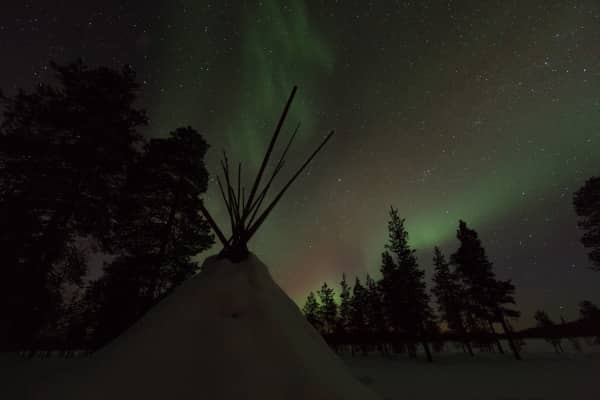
<point>228,333</point>
<point>539,376</point>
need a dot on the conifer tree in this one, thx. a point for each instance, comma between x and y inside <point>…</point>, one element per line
<point>358,314</point>
<point>403,283</point>
<point>374,307</point>
<point>375,313</point>
<point>485,295</point>
<point>501,295</point>
<point>344,314</point>
<point>393,312</point>
<point>449,293</point>
<point>474,269</point>
<point>311,311</point>
<point>327,309</point>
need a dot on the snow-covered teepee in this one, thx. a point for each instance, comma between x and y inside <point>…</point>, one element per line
<point>229,332</point>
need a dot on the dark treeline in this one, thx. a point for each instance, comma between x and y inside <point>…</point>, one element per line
<point>394,314</point>
<point>79,184</point>
<point>587,325</point>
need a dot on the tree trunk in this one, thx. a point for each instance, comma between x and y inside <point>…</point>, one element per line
<point>381,347</point>
<point>464,338</point>
<point>465,333</point>
<point>412,351</point>
<point>510,339</point>
<point>498,344</point>
<point>469,348</point>
<point>466,346</point>
<point>427,351</point>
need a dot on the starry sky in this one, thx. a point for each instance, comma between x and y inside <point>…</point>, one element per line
<point>482,111</point>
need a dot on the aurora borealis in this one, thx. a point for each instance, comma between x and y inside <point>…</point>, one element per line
<point>483,111</point>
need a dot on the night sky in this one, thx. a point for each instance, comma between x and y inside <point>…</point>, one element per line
<point>483,111</point>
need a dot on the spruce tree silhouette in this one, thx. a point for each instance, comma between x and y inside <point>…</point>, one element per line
<point>375,314</point>
<point>311,312</point>
<point>64,150</point>
<point>449,293</point>
<point>587,206</point>
<point>344,309</point>
<point>500,295</point>
<point>404,291</point>
<point>484,294</point>
<point>358,316</point>
<point>328,309</point>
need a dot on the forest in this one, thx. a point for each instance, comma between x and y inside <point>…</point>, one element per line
<point>464,306</point>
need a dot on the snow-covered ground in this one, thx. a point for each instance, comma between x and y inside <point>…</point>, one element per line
<point>540,375</point>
